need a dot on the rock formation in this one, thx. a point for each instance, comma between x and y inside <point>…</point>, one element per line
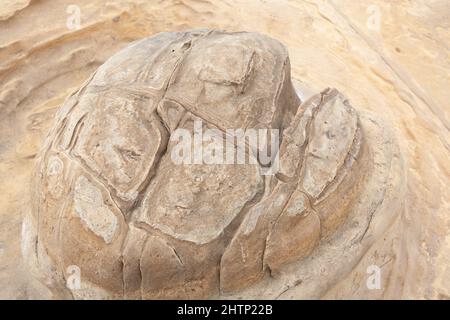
<point>109,199</point>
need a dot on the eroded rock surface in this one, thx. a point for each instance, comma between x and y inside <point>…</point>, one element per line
<point>110,199</point>
<point>399,72</point>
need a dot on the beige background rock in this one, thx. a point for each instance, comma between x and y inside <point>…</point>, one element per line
<point>400,73</point>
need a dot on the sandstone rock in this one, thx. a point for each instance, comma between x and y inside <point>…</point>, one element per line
<point>110,199</point>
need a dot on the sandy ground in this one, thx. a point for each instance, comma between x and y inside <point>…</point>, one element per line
<point>388,57</point>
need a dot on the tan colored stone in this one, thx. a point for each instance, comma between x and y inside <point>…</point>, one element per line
<point>112,200</point>
<point>294,235</point>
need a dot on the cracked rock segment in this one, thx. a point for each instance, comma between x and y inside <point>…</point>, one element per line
<point>110,199</point>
